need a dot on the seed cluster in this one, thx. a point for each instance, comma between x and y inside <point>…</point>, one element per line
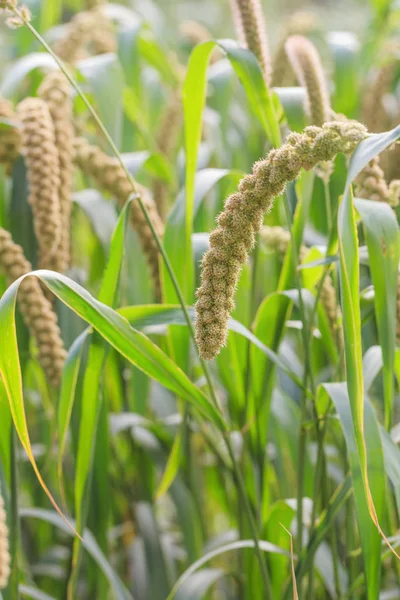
<point>89,33</point>
<point>250,24</point>
<point>371,184</point>
<point>41,158</point>
<point>10,134</point>
<point>109,174</point>
<point>35,308</point>
<point>5,558</point>
<point>55,90</point>
<point>243,216</point>
<point>306,64</point>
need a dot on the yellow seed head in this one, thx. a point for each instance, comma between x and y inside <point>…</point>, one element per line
<point>109,175</point>
<point>36,310</point>
<point>10,137</point>
<point>305,61</point>
<point>250,25</point>
<point>243,216</point>
<point>41,157</point>
<point>56,91</point>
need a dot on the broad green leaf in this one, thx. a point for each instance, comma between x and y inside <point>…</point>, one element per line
<point>383,241</point>
<point>350,289</point>
<point>132,344</point>
<point>369,534</point>
<point>67,397</point>
<point>194,97</point>
<point>249,72</point>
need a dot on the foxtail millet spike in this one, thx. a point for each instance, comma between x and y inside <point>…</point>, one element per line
<point>56,91</point>
<point>250,24</point>
<point>36,310</point>
<point>5,558</point>
<point>306,64</point>
<point>374,110</point>
<point>89,33</point>
<point>43,174</point>
<point>108,174</point>
<point>10,137</point>
<point>243,217</point>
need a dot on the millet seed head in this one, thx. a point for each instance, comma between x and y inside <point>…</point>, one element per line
<point>243,216</point>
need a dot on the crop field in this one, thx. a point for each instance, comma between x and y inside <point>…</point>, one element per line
<point>199,300</point>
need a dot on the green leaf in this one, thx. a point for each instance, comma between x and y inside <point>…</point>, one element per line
<point>132,344</point>
<point>173,464</point>
<point>350,290</point>
<point>67,397</point>
<point>194,97</point>
<point>249,72</point>
<point>369,534</point>
<point>383,241</point>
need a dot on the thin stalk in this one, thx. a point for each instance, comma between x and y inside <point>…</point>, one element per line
<point>107,136</point>
<point>328,205</point>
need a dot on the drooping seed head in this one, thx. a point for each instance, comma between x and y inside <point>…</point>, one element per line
<point>56,91</point>
<point>243,216</point>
